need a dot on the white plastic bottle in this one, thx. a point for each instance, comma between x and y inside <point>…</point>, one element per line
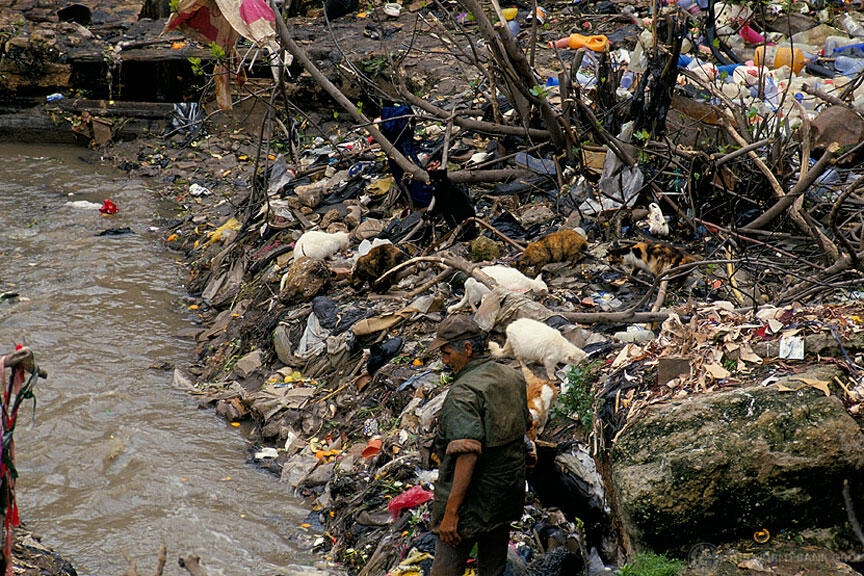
<point>851,26</point>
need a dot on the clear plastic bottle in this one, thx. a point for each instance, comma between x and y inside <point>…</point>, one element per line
<point>848,66</point>
<point>851,26</point>
<point>834,42</point>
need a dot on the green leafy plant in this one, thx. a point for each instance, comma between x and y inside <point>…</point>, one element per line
<point>174,6</point>
<point>650,564</point>
<point>216,51</point>
<point>578,401</point>
<point>196,66</point>
<point>374,66</point>
<point>539,91</point>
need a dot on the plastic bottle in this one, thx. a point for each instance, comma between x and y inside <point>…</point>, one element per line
<point>848,66</point>
<point>746,75</point>
<point>598,43</point>
<point>734,91</point>
<point>851,26</point>
<point>778,56</point>
<point>851,50</point>
<point>627,80</point>
<point>817,35</point>
<point>704,70</point>
<point>833,43</point>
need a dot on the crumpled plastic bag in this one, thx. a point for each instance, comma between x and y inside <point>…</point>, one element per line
<point>312,342</point>
<point>619,184</point>
<point>412,497</point>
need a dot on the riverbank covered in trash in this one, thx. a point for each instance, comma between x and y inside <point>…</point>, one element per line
<point>716,409</point>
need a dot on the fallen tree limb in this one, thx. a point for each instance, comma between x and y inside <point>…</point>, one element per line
<point>835,211</point>
<point>630,315</point>
<point>741,151</point>
<point>160,562</point>
<point>803,184</point>
<point>484,224</point>
<point>772,180</point>
<point>815,91</point>
<point>133,567</point>
<point>469,124</point>
<point>842,265</point>
<point>473,176</point>
<point>711,225</point>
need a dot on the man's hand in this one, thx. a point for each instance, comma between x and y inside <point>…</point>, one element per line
<point>447,531</point>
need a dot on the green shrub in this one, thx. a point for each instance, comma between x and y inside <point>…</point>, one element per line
<point>650,564</point>
<point>578,401</point>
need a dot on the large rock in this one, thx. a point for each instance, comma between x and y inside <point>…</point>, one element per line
<point>305,279</point>
<point>715,467</point>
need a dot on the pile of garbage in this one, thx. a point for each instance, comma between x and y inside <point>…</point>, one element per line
<point>689,222</point>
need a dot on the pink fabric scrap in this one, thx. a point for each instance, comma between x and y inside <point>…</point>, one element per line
<point>254,10</point>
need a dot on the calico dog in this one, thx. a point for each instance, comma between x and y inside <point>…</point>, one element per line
<point>562,246</point>
<point>370,267</point>
<point>649,257</point>
<point>541,396</point>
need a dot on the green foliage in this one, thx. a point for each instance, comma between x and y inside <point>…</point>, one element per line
<point>642,135</point>
<point>650,564</point>
<point>174,5</point>
<point>578,401</point>
<point>374,66</point>
<point>196,66</point>
<point>539,91</point>
<point>216,51</point>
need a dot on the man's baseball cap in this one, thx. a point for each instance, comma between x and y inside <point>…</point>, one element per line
<point>455,329</point>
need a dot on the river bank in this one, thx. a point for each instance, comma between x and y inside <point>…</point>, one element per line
<point>720,426</point>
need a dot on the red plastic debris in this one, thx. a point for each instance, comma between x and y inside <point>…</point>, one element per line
<point>408,499</point>
<point>109,208</point>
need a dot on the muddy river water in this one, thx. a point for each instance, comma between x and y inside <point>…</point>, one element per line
<point>118,458</point>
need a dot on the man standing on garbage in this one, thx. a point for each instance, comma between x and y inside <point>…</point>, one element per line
<point>480,445</point>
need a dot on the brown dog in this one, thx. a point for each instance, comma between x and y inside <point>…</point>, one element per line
<point>562,246</point>
<point>373,265</point>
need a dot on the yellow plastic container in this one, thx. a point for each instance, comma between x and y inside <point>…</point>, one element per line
<point>509,13</point>
<point>779,56</point>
